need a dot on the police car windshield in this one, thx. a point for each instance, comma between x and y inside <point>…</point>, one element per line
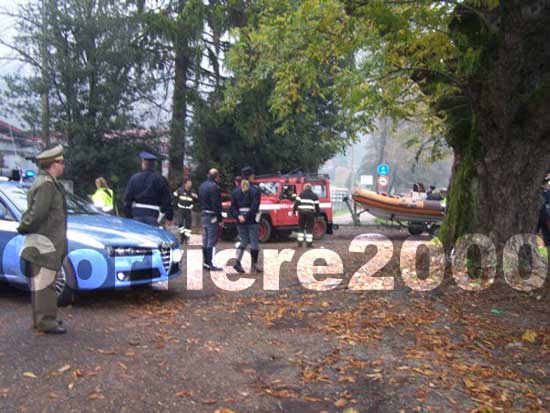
<point>75,205</point>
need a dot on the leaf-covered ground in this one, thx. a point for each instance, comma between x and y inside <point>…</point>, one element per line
<point>289,351</point>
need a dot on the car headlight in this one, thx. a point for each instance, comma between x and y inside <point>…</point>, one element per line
<point>177,255</point>
<point>126,251</point>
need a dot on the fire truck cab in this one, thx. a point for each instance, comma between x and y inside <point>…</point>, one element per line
<point>277,201</point>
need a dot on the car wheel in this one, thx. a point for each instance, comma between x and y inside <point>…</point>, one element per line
<point>265,230</point>
<point>64,286</point>
<point>417,228</point>
<point>319,228</point>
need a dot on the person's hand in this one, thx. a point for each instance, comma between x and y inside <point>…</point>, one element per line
<point>241,219</point>
<point>290,213</point>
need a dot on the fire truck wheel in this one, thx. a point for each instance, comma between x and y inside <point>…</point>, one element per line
<point>319,228</point>
<point>229,234</point>
<point>265,230</point>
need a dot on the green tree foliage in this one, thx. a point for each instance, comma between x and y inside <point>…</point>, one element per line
<point>248,136</point>
<point>98,73</point>
<point>472,71</point>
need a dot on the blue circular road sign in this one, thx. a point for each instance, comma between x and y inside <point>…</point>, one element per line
<point>383,169</point>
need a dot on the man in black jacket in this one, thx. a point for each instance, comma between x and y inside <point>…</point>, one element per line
<point>210,203</point>
<point>147,194</point>
<point>544,212</point>
<point>307,205</point>
<point>245,208</point>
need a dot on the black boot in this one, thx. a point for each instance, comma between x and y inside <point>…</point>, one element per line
<point>238,267</point>
<point>255,266</point>
<point>205,259</point>
<point>211,266</point>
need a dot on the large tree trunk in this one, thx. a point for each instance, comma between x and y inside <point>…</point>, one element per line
<point>501,158</point>
<point>179,112</point>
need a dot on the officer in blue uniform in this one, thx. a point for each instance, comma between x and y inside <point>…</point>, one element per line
<point>210,203</point>
<point>148,197</point>
<point>245,208</point>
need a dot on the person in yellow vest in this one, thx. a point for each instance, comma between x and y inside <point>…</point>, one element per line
<point>103,196</point>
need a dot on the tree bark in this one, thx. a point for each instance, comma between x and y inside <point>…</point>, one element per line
<point>504,149</point>
<point>179,112</point>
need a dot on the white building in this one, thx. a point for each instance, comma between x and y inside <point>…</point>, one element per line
<point>16,147</point>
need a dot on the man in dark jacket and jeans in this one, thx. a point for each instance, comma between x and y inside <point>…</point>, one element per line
<point>210,203</point>
<point>45,224</point>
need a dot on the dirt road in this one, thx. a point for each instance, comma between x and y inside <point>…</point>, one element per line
<point>293,350</point>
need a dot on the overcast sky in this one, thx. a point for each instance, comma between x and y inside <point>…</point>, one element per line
<point>7,30</point>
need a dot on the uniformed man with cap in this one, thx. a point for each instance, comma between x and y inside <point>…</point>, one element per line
<point>184,197</point>
<point>148,196</point>
<point>210,203</point>
<point>45,224</point>
<point>245,208</point>
<point>307,205</point>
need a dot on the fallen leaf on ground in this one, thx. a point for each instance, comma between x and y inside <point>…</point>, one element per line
<point>469,383</point>
<point>223,410</point>
<point>95,395</point>
<point>30,375</point>
<point>184,393</point>
<point>529,336</point>
<point>341,403</point>
<point>107,352</point>
<point>65,368</point>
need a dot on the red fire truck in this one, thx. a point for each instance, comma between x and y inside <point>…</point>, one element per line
<point>277,202</point>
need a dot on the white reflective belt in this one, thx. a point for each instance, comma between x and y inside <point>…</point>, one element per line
<point>308,207</point>
<point>186,198</point>
<point>146,206</point>
<point>185,206</point>
<point>308,201</point>
<point>244,209</point>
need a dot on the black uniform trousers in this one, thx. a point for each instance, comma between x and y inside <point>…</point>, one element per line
<point>306,220</point>
<point>185,218</point>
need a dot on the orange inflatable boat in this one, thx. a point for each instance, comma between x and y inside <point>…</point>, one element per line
<point>399,209</point>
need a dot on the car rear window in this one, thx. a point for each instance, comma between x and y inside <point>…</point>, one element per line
<point>320,190</point>
<point>269,188</point>
<point>75,205</point>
